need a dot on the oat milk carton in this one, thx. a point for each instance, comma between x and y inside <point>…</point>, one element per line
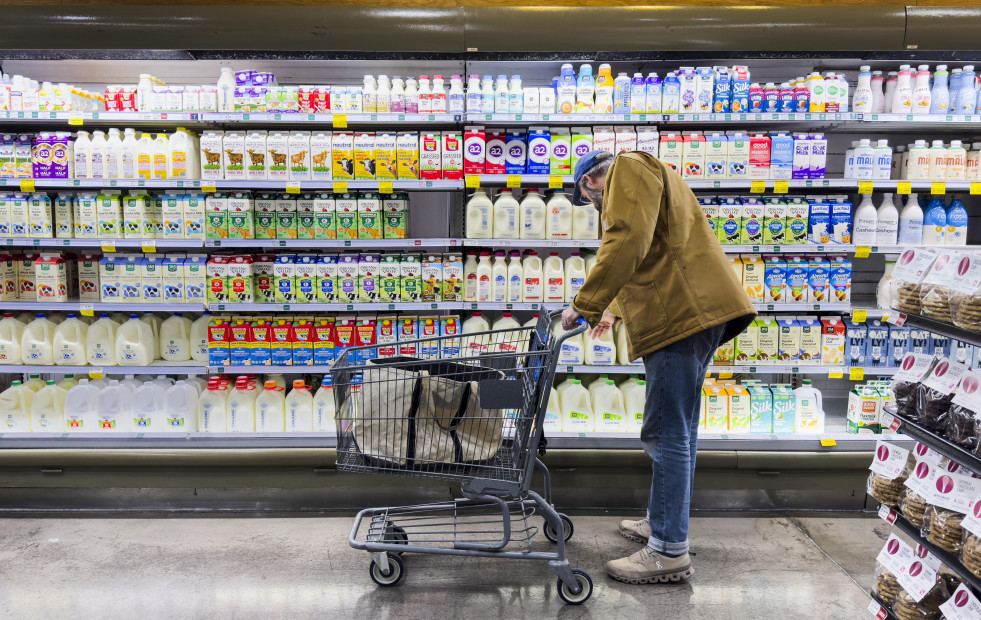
<point>832,341</point>
<point>856,343</point>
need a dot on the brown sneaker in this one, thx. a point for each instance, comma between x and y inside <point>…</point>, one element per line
<point>637,531</point>
<point>648,566</point>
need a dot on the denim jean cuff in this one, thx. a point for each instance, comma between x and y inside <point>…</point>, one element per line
<point>665,547</point>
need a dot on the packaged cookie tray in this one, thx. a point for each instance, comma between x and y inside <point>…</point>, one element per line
<point>942,444</point>
<point>951,560</point>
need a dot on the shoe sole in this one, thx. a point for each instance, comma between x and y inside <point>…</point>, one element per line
<point>665,578</point>
<point>633,536</point>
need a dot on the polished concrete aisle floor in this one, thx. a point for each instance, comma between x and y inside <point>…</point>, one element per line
<point>761,568</point>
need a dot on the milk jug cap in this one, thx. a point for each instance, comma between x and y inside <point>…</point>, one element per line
<point>610,382</point>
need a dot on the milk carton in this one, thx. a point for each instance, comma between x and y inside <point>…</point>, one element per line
<point>774,221</point>
<point>841,222</point>
<point>109,211</point>
<point>560,161</point>
<point>88,277</point>
<point>172,279</point>
<point>306,278</point>
<point>281,342</point>
<point>747,344</point>
<point>388,279</point>
<point>648,140</point>
<point>810,338</point>
<point>737,156</point>
<point>710,207</point>
<point>740,89</point>
<point>863,410</point>
<point>751,226</point>
<point>265,215</point>
<point>672,152</point>
<point>347,278</point>
<point>173,216</point>
<point>877,344</point>
<point>693,157</point>
<point>789,341</point>
<point>784,407</point>
<point>301,336</point>
<point>452,162</point>
<point>761,409</point>
<point>285,216</point>
<point>796,227</point>
<point>130,278</point>
<point>385,156</point>
<point>51,278</point>
<point>241,223</point>
<point>217,273</point>
<point>151,279</point>
<point>346,216</point>
<point>539,147</point>
<point>759,156</point>
<point>625,139</point>
<point>212,151</point>
<point>430,156</point>
<point>495,161</point>
<point>323,341</point>
<point>387,336</point>
<point>299,161</point>
<point>729,224</point>
<point>239,342</point>
<point>474,149</point>
<point>919,341</point>
<point>819,156</point>
<point>408,330</point>
<point>840,276</point>
<point>754,277</point>
<point>818,280</point>
<point>257,158</point>
<point>284,278</point>
<point>368,278</point>
<point>321,156</point>
<point>306,217</point>
<point>342,155</point>
<point>407,155</point>
<point>775,280</point>
<point>264,278</point>
<point>240,289</point>
<point>216,215</point>
<point>716,156</point>
<point>195,278</point>
<point>740,409</point>
<point>781,156</point>
<point>582,143</point>
<point>819,222</point>
<point>605,139</point>
<point>432,278</point>
<point>410,278</point>
<point>452,289</point>
<point>768,340</point>
<point>856,343</point>
<point>326,279</point>
<point>801,166</point>
<point>832,341</point>
<point>324,208</point>
<point>395,208</point>
<point>369,216</point>
<point>364,152</point>
<point>260,341</point>
<point>218,341</point>
<point>449,329</point>
<point>515,152</point>
<point>110,286</point>
<point>233,155</point>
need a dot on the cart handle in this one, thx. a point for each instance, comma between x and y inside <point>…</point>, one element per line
<point>575,331</point>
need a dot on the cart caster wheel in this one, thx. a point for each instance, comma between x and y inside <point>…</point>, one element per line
<point>550,533</point>
<point>396,535</point>
<point>585,589</point>
<point>396,569</point>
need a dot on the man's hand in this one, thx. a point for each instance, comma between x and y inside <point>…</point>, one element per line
<point>605,324</point>
<point>570,318</point>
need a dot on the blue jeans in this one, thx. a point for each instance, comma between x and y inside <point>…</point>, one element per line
<point>670,433</point>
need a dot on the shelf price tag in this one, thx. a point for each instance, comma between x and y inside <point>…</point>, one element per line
<point>863,251</point>
<point>27,185</point>
<point>295,188</point>
<point>725,375</point>
<point>514,181</point>
<point>865,187</point>
<point>386,187</point>
<point>149,246</point>
<point>836,373</point>
<point>887,514</point>
<point>758,187</point>
<point>340,121</point>
<point>75,120</point>
<point>472,181</point>
<point>209,189</point>
<point>938,188</point>
<point>781,187</point>
<point>856,374</point>
<point>86,309</point>
<point>904,188</point>
<point>828,443</point>
<point>108,247</point>
<point>555,181</point>
<point>96,373</point>
<point>860,315</point>
<point>975,188</point>
<point>877,611</point>
<point>340,187</point>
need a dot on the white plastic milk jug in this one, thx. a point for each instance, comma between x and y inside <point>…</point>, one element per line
<point>36,345</point>
<point>48,409</point>
<point>299,408</point>
<point>70,342</point>
<point>175,338</point>
<point>577,410</point>
<point>134,343</point>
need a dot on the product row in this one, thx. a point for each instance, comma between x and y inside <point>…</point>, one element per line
<point>917,161</point>
<point>935,591</point>
<point>941,284</point>
<point>751,407</point>
<point>794,279</point>
<point>910,91</point>
<point>505,217</point>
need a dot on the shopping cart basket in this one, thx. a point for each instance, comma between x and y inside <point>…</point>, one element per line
<point>465,408</point>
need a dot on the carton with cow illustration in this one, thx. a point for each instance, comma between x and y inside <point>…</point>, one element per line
<point>299,151</point>
<point>211,155</point>
<point>386,156</point>
<point>233,155</point>
<point>256,143</point>
<point>342,152</point>
<point>320,156</point>
<point>364,156</point>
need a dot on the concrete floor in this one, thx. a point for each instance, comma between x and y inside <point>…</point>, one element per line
<point>764,568</point>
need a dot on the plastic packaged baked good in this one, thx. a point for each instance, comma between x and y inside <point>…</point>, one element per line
<point>928,608</point>
<point>934,395</point>
<point>913,507</point>
<point>886,490</point>
<point>965,293</point>
<point>944,528</point>
<point>907,276</point>
<point>912,369</point>
<point>935,286</point>
<point>886,586</point>
<point>971,553</point>
<point>963,428</point>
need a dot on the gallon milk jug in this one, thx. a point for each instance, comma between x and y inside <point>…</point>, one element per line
<point>148,407</point>
<point>199,338</point>
<point>241,407</point>
<point>554,273</point>
<point>585,222</point>
<point>506,216</point>
<point>532,216</point>
<point>608,407</point>
<point>595,385</point>
<point>510,341</point>
<point>15,408</point>
<point>324,408</point>
<point>48,409</point>
<point>175,338</point>
<point>601,350</point>
<point>810,412</point>
<point>634,397</point>
<point>181,408</point>
<point>472,346</point>
<point>36,345</point>
<point>11,334</point>
<point>558,224</point>
<point>100,341</point>
<point>572,351</point>
<point>577,410</point>
<point>553,414</point>
<point>68,382</point>
<point>623,357</point>
<point>299,408</point>
<point>154,322</point>
<point>575,276</point>
<point>480,214</point>
<point>131,382</point>
<point>532,276</point>
<point>115,408</point>
<point>270,410</point>
<point>212,410</point>
<point>70,341</point>
<point>81,408</point>
<point>134,343</point>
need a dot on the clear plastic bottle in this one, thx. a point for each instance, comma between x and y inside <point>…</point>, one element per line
<point>940,94</point>
<point>411,96</point>
<point>499,278</point>
<point>299,408</point>
<point>922,95</point>
<point>878,97</point>
<point>270,409</point>
<point>473,95</point>
<point>397,95</point>
<point>324,407</point>
<point>862,101</point>
<point>48,409</point>
<point>213,408</point>
<point>457,99</point>
<point>911,223</point>
<point>226,90</point>
<point>98,155</point>
<point>369,95</point>
<point>487,95</point>
<point>383,95</point>
<point>516,95</point>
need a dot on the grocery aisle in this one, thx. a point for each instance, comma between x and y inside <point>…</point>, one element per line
<point>764,568</point>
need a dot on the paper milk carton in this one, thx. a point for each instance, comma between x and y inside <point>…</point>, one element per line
<point>760,409</point>
<point>326,279</point>
<point>768,340</point>
<point>729,223</point>
<point>819,222</point>
<point>920,341</point>
<point>88,278</point>
<point>300,161</point>
<point>693,156</point>
<point>605,139</point>
<point>754,277</point>
<point>841,221</point>
<point>716,401</point>
<point>819,280</point>
<point>751,226</point>
<point>796,229</point>
<point>840,275</point>
<point>263,278</point>
<point>789,341</point>
<point>452,162</point>
<point>774,221</point>
<point>863,410</point>
<point>388,279</point>
<point>260,156</point>
<point>407,155</point>
<point>342,155</point>
<point>432,278</point>
<point>364,155</point>
<point>233,159</point>
<point>516,152</point>
<point>672,151</point>
<point>856,343</point>
<point>759,156</point>
<point>172,279</point>
<point>560,161</point>
<point>747,344</point>
<point>321,156</point>
<point>453,277</point>
<point>211,155</point>
<point>387,335</point>
<point>648,140</point>
<point>218,337</point>
<point>474,149</point>
<point>740,89</point>
<point>346,216</point>
<point>306,278</point>
<point>802,157</point>
<point>260,339</point>
<point>284,278</point>
<point>626,139</point>
<point>195,278</point>
<point>832,341</point>
<point>410,278</point>
<point>239,342</point>
<point>430,156</point>
<point>151,276</point>
<point>819,156</point>
<point>877,344</point>
<point>784,408</point>
<point>710,207</point>
<point>582,143</point>
<point>539,147</point>
<point>347,278</point>
<point>281,342</point>
<point>797,273</point>
<point>408,331</point>
<point>740,409</point>
<point>716,156</point>
<point>368,278</point>
<point>51,278</point>
<point>775,280</point>
<point>781,156</point>
<point>737,156</point>
<point>810,339</point>
<point>495,160</point>
<point>265,215</point>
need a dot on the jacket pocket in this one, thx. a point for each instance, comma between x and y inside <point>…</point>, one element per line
<point>643,311</point>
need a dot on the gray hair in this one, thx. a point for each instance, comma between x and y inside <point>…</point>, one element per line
<point>603,163</point>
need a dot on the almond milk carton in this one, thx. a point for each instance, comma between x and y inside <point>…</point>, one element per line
<point>233,155</point>
<point>407,155</point>
<point>299,160</point>
<point>212,155</point>
<point>321,158</point>
<point>256,158</point>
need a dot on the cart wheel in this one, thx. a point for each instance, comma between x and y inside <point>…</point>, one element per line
<point>396,569</point>
<point>585,588</point>
<point>396,535</point>
<point>549,531</point>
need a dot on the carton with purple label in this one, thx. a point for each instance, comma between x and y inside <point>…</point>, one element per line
<point>841,279</point>
<point>515,152</point>
<point>539,150</point>
<point>818,280</point>
<point>801,167</point>
<point>781,156</point>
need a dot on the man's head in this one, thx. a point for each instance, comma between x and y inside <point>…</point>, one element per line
<point>590,178</point>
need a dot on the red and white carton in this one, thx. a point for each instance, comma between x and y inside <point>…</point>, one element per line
<point>51,278</point>
<point>759,156</point>
<point>386,337</point>
<point>496,140</point>
<point>452,155</point>
<point>408,332</point>
<point>474,148</point>
<point>430,156</point>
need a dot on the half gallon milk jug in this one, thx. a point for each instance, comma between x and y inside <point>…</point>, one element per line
<point>623,350</point>
<point>299,408</point>
<point>577,410</point>
<point>601,350</point>
<point>100,341</point>
<point>70,340</point>
<point>515,284</point>
<point>81,408</point>
<point>199,338</point>
<point>558,224</point>
<point>499,278</point>
<point>575,276</point>
<point>506,216</point>
<point>554,273</point>
<point>148,407</point>
<point>241,407</point>
<point>484,273</point>
<point>212,410</point>
<point>585,222</point>
<point>15,408</point>
<point>572,351</point>
<point>553,414</point>
<point>175,338</point>
<point>48,409</point>
<point>36,345</point>
<point>181,408</point>
<point>480,216</point>
<point>11,334</point>
<point>115,408</point>
<point>532,276</point>
<point>608,407</point>
<point>270,410</point>
<point>810,411</point>
<point>472,346</point>
<point>324,407</point>
<point>532,216</point>
<point>134,343</point>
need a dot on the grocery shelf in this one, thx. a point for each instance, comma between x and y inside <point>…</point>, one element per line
<point>948,559</point>
<point>116,440</point>
<point>301,307</point>
<point>102,117</point>
<point>76,306</point>
<point>318,244</point>
<point>569,119</point>
<point>157,368</point>
<point>803,307</point>
<point>657,117</point>
<point>758,117</point>
<point>267,370</point>
<point>144,244</point>
<point>939,327</point>
<point>494,305</point>
<point>350,119</point>
<point>531,243</point>
<point>100,183</point>
<point>831,248</point>
<point>833,440</point>
<point>941,445</point>
<point>298,186</point>
<point>524,179</point>
<point>757,369</point>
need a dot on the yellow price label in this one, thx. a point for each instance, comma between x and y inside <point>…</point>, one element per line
<point>828,443</point>
<point>472,181</point>
<point>865,187</point>
<point>725,375</point>
<point>386,187</point>
<point>758,187</point>
<point>781,187</point>
<point>340,187</point>
<point>836,373</point>
<point>975,188</point>
<point>555,181</point>
<point>863,251</point>
<point>87,310</point>
<point>149,247</point>
<point>27,185</point>
<point>856,374</point>
<point>209,189</point>
<point>96,373</point>
<point>904,187</point>
<point>295,189</point>
<point>860,316</point>
<point>938,187</point>
<point>108,247</point>
<point>514,181</point>
<point>75,121</point>
<point>340,121</point>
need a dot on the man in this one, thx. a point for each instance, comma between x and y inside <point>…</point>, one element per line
<point>661,270</point>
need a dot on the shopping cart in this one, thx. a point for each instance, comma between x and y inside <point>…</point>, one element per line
<point>468,409</point>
